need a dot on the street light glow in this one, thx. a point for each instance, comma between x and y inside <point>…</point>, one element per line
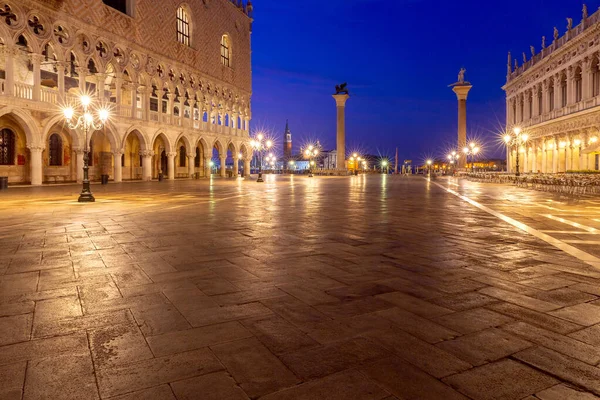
<point>517,130</point>
<point>68,112</point>
<point>85,100</point>
<point>507,138</point>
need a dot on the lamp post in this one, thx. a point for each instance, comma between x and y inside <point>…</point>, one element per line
<point>429,167</point>
<point>292,166</point>
<point>83,116</point>
<point>311,152</point>
<point>516,139</point>
<point>271,160</point>
<point>472,151</point>
<point>453,157</point>
<point>384,165</point>
<point>260,145</point>
<point>355,158</point>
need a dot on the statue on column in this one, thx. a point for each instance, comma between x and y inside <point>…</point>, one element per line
<point>461,75</point>
<point>341,89</point>
<point>555,34</point>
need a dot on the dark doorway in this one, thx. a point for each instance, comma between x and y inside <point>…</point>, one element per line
<point>164,163</point>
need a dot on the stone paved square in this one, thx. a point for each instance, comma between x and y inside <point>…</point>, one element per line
<point>364,287</point>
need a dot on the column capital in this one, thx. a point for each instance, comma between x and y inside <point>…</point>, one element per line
<point>171,154</point>
<point>37,58</point>
<point>340,99</point>
<point>78,150</point>
<point>191,156</point>
<point>117,153</point>
<point>35,148</point>
<point>146,153</point>
<point>81,70</point>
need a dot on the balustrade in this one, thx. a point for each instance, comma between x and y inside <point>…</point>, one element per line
<point>23,91</point>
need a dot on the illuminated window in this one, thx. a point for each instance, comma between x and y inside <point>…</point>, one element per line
<point>225,51</point>
<point>56,150</point>
<point>183,26</point>
<point>7,147</point>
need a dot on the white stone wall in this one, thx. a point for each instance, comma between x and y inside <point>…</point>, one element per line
<point>554,97</point>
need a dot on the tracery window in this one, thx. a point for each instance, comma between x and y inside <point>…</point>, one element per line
<point>183,26</point>
<point>225,51</point>
<point>578,87</point>
<point>182,156</point>
<point>7,147</point>
<point>56,150</point>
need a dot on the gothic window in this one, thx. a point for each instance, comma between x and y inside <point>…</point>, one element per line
<point>7,147</point>
<point>55,146</point>
<point>124,6</point>
<point>551,98</point>
<point>530,105</point>
<point>197,159</point>
<point>540,101</point>
<point>182,156</point>
<point>183,26</point>
<point>522,107</point>
<point>225,51</point>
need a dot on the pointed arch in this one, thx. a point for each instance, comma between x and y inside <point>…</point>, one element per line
<point>160,133</point>
<point>186,141</point>
<point>137,131</point>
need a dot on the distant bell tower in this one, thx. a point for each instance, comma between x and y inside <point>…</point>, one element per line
<point>287,142</point>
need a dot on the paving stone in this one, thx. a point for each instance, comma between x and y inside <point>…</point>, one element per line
<point>414,305</point>
<point>349,308</point>
<point>420,327</point>
<point>15,329</point>
<point>247,296</point>
<point>562,344</point>
<point>216,315</point>
<point>548,282</point>
<point>257,371</point>
<point>565,296</point>
<point>12,378</point>
<point>408,382</point>
<point>190,339</point>
<point>562,391</point>
<point>216,386</point>
<point>464,301</point>
<point>162,392</point>
<point>589,335</point>
<point>425,356</point>
<point>308,295</point>
<point>505,285</point>
<point>72,325</point>
<point>278,335</point>
<point>474,320</point>
<point>40,348</point>
<point>324,360</point>
<point>160,319</point>
<point>504,379</point>
<point>485,346</point>
<point>123,379</point>
<point>64,376</point>
<point>342,386</point>
<point>563,367</point>
<point>582,314</point>
<point>18,283</point>
<point>536,318</point>
<point>519,299</point>
<point>140,302</point>
<point>7,310</point>
<point>117,345</point>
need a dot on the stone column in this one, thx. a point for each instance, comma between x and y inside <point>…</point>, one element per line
<point>582,156</point>
<point>462,91</point>
<point>236,166</point>
<point>191,169</point>
<point>79,169</point>
<point>146,164</point>
<point>545,107</point>
<point>100,80</point>
<point>586,79</point>
<point>567,157</point>
<point>36,164</point>
<point>247,168</point>
<point>36,60</point>
<point>340,102</point>
<point>133,94</point>
<point>81,74</point>
<point>118,91</point>
<point>508,160</point>
<point>9,84</point>
<point>207,167</point>
<point>171,165</point>
<point>570,85</point>
<point>534,167</point>
<point>534,98</point>
<point>557,92</point>
<point>519,108</point>
<point>525,167</point>
<point>118,168</point>
<point>60,72</point>
<point>544,155</point>
<point>223,159</point>
<point>554,156</point>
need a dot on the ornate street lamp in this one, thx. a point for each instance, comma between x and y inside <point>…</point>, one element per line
<point>355,158</point>
<point>429,167</point>
<point>271,159</point>
<point>260,144</point>
<point>516,139</point>
<point>88,118</point>
<point>384,165</point>
<point>472,150</point>
<point>453,157</point>
<point>311,152</point>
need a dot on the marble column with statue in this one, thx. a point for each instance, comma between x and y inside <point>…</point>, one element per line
<point>461,88</point>
<point>341,96</point>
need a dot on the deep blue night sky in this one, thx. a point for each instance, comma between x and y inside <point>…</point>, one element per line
<point>398,57</point>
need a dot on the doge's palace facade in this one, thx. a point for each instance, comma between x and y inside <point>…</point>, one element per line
<point>554,97</point>
<point>176,77</point>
